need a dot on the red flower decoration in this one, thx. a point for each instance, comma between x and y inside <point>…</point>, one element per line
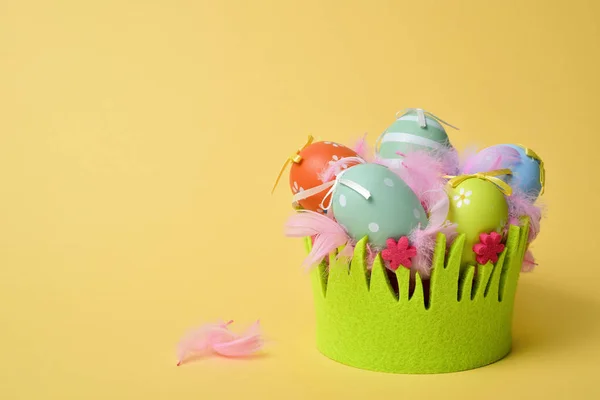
<point>399,253</point>
<point>488,248</point>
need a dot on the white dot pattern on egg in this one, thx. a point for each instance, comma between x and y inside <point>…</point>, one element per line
<point>392,211</point>
<point>416,213</point>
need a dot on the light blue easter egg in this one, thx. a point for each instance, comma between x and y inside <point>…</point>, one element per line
<point>392,210</point>
<point>527,171</point>
<point>406,135</point>
<point>526,175</point>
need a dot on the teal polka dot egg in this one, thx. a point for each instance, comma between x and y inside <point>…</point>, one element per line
<point>370,200</point>
<point>414,130</point>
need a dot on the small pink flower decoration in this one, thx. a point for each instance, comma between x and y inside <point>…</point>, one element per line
<point>488,248</point>
<point>399,253</point>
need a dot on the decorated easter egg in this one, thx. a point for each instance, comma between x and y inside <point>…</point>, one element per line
<point>370,200</point>
<point>528,175</point>
<point>413,130</point>
<point>477,206</point>
<point>308,166</point>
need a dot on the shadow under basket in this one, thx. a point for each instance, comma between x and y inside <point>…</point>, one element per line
<point>366,320</point>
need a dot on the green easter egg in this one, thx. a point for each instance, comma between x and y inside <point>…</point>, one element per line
<point>392,210</point>
<point>477,206</point>
<point>406,135</point>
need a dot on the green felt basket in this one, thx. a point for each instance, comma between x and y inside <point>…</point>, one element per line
<point>362,321</point>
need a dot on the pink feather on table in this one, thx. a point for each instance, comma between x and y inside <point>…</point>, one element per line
<point>329,235</point>
<point>198,340</point>
<point>248,343</point>
<point>219,339</point>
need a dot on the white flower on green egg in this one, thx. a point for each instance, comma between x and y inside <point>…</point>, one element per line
<point>462,197</point>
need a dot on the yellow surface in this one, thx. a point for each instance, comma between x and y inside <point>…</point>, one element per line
<point>139,141</point>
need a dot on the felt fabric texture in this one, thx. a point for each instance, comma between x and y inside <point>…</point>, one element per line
<point>467,323</point>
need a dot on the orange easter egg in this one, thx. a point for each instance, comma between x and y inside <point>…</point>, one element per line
<point>314,159</point>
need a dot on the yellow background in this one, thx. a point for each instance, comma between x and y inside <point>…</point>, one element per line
<point>139,141</point>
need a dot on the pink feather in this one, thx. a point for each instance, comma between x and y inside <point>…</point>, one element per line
<point>438,209</point>
<point>467,156</point>
<point>198,340</point>
<point>528,262</point>
<point>423,173</point>
<point>248,343</point>
<point>362,148</point>
<point>329,235</point>
<point>492,158</point>
<point>334,168</point>
<point>372,252</point>
<point>347,252</point>
<point>219,339</point>
<point>425,239</point>
<point>450,160</point>
<point>522,205</point>
<point>445,161</point>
